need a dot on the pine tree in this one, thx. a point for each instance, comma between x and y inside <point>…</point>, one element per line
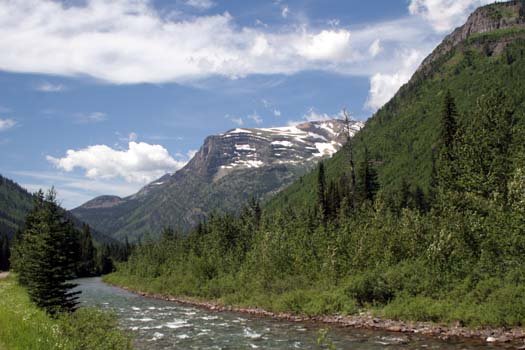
<point>522,8</point>
<point>350,152</point>
<point>404,194</point>
<point>46,256</point>
<point>368,184</point>
<point>104,262</point>
<point>445,165</point>
<point>321,192</point>
<point>87,253</point>
<point>5,252</point>
<point>127,248</point>
<point>420,201</point>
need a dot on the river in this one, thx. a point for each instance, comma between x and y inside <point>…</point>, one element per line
<point>158,324</point>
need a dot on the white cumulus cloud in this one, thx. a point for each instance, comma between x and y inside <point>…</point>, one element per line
<point>6,124</point>
<point>326,45</point>
<point>129,41</point>
<point>445,15</point>
<point>383,86</point>
<point>140,163</point>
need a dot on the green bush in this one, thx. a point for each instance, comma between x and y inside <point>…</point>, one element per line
<point>417,308</point>
<point>24,326</point>
<point>93,329</point>
<point>369,287</point>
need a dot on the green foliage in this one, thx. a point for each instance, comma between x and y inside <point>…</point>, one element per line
<point>92,329</point>
<point>403,136</point>
<point>5,252</point>
<point>324,341</point>
<point>15,203</point>
<point>46,255</point>
<point>24,326</point>
<point>87,254</point>
<point>441,239</point>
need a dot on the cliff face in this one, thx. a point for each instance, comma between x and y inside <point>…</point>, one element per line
<point>490,18</point>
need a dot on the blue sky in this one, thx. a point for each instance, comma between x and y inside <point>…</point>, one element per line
<point>102,97</point>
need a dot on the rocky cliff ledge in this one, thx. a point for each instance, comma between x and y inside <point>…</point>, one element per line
<point>490,18</point>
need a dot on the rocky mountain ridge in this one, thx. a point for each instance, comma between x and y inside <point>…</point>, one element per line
<point>228,169</point>
<point>486,19</point>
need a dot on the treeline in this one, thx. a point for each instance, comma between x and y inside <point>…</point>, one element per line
<point>44,313</point>
<point>92,259</point>
<point>453,253</point>
<point>50,251</point>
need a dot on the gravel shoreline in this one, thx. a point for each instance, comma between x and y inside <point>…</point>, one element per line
<point>513,336</point>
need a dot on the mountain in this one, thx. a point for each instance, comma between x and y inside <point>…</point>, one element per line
<point>223,175</point>
<point>486,54</point>
<point>454,257</point>
<point>16,202</point>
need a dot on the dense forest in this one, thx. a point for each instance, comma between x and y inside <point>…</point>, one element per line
<point>91,257</point>
<point>420,216</point>
<point>454,254</point>
<point>97,253</point>
<point>42,309</point>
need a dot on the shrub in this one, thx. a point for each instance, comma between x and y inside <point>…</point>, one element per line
<point>92,329</point>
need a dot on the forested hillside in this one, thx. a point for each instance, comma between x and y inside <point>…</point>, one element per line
<point>421,217</point>
<point>97,250</point>
<point>15,203</point>
<point>402,136</point>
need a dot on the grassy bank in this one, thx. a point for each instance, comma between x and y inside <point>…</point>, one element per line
<point>386,293</point>
<point>24,326</point>
<point>311,302</point>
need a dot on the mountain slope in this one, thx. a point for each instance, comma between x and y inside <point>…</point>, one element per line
<point>486,53</point>
<point>227,170</point>
<point>16,202</point>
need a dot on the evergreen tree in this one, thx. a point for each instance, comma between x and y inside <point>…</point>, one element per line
<point>255,207</point>
<point>420,202</point>
<point>127,248</point>
<point>522,8</point>
<point>86,266</point>
<point>350,152</point>
<point>104,262</point>
<point>368,184</point>
<point>5,252</point>
<point>404,194</point>
<point>47,256</point>
<point>445,165</point>
<point>167,234</point>
<point>321,192</point>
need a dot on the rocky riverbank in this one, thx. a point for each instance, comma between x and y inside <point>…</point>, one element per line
<point>366,320</point>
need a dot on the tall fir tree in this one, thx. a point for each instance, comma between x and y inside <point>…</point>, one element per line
<point>86,266</point>
<point>5,252</point>
<point>367,184</point>
<point>321,192</point>
<point>445,163</point>
<point>46,256</point>
<point>350,152</point>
